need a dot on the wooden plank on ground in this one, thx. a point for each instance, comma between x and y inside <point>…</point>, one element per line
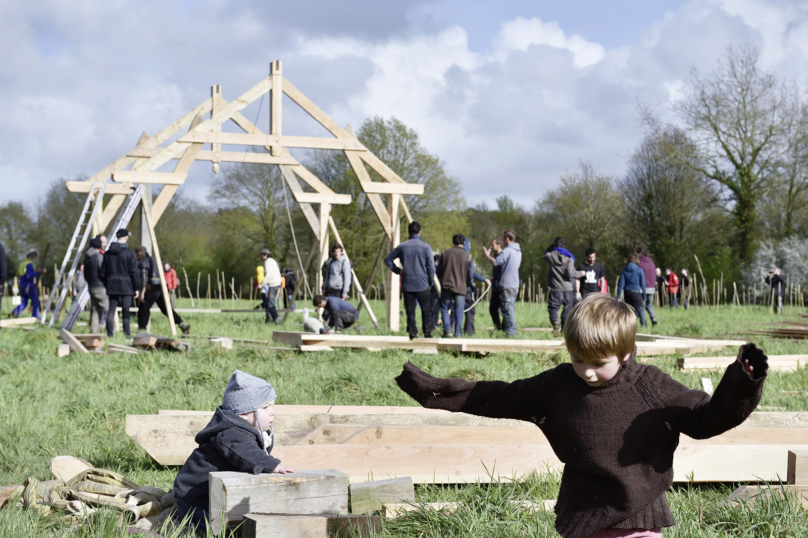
<point>310,526</point>
<point>18,321</point>
<point>371,496</point>
<point>72,341</point>
<point>781,363</point>
<point>308,491</point>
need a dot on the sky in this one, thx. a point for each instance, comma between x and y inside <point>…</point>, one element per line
<point>510,95</point>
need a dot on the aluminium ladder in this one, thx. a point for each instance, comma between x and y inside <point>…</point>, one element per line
<point>74,252</point>
<point>129,207</point>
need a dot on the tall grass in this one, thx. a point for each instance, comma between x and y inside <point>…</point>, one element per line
<point>77,406</point>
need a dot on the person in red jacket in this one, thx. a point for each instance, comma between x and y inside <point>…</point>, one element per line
<point>672,285</point>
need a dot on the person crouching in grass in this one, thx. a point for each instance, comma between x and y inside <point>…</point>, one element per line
<point>238,438</point>
<point>338,313</point>
<point>613,422</point>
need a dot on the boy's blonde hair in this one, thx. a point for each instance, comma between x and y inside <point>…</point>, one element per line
<point>600,326</point>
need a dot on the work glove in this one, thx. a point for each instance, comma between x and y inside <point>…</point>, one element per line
<point>434,392</point>
<point>754,361</point>
<point>578,297</point>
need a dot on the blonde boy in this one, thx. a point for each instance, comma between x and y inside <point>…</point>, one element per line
<point>238,438</point>
<point>614,423</point>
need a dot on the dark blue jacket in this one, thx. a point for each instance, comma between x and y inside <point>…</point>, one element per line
<point>334,304</point>
<point>3,265</point>
<point>418,265</point>
<point>227,443</point>
<point>632,279</point>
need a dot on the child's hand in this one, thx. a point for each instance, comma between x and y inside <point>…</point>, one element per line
<point>754,361</point>
<point>284,469</point>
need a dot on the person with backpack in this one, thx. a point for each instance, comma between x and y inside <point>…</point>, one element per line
<point>291,284</point>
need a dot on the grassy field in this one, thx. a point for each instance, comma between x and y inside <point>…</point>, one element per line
<point>77,406</point>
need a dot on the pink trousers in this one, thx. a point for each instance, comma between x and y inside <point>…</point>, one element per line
<point>628,533</point>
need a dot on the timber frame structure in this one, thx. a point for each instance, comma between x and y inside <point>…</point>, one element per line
<point>149,154</point>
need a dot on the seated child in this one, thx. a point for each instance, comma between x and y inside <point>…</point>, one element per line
<point>613,422</point>
<point>234,440</point>
<point>337,313</point>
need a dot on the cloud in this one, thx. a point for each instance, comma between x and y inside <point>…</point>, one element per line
<point>81,81</point>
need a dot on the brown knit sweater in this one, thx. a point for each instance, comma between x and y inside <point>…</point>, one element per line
<point>616,440</point>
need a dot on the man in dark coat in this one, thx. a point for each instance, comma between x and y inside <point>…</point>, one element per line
<point>99,302</point>
<point>120,277</point>
<point>3,273</point>
<point>152,292</point>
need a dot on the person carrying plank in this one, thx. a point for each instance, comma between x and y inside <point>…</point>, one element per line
<point>612,421</point>
<point>417,272</point>
<point>238,438</point>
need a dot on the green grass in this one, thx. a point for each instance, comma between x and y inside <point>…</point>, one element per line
<point>77,406</point>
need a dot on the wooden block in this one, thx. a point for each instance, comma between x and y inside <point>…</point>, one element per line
<point>309,526</point>
<point>798,467</point>
<point>18,321</point>
<point>145,341</point>
<point>63,350</point>
<point>370,496</point>
<point>225,343</point>
<point>66,467</point>
<point>72,341</point>
<point>92,342</point>
<point>308,491</point>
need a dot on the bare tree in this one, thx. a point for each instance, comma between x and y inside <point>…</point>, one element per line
<point>738,117</point>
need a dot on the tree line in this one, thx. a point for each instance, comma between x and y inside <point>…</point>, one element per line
<point>725,180</point>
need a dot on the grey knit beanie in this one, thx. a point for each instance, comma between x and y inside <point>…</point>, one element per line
<point>245,393</point>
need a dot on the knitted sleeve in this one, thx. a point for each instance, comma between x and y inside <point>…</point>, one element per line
<point>699,416</point>
<point>521,399</point>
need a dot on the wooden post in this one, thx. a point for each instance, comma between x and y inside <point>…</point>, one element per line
<point>159,261</point>
<point>395,283</point>
<point>188,287</point>
<point>215,100</point>
<point>357,286</point>
<point>275,95</point>
<point>325,210</point>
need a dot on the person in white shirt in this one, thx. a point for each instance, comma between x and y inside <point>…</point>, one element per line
<point>271,285</point>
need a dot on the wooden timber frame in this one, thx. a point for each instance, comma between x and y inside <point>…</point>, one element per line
<point>140,165</point>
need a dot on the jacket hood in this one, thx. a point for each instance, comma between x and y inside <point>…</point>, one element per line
<point>224,420</point>
<point>515,246</point>
<point>115,248</point>
<point>92,251</point>
<point>556,258</point>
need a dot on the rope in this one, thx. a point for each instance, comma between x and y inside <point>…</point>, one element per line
<point>480,298</point>
<point>294,239</point>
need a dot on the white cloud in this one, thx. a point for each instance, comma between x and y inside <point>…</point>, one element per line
<point>79,86</point>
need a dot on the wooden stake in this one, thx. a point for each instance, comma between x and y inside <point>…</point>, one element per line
<point>188,286</point>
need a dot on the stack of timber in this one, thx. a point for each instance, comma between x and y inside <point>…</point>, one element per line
<point>436,446</point>
<point>152,342</point>
<point>646,346</point>
<point>790,330</point>
<point>777,363</point>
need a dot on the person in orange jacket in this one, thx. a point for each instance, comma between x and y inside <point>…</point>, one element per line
<point>672,283</point>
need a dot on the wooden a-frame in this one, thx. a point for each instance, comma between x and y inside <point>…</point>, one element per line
<point>141,163</point>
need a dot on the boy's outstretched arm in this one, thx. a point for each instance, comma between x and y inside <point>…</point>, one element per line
<point>523,399</point>
<point>699,416</point>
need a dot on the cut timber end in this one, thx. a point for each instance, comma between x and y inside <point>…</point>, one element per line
<point>66,467</point>
<point>225,343</point>
<point>309,491</point>
<point>798,467</point>
<point>63,350</point>
<point>371,496</point>
<point>309,526</point>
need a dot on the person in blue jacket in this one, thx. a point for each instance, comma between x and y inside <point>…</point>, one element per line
<point>632,281</point>
<point>28,274</point>
<point>417,274</point>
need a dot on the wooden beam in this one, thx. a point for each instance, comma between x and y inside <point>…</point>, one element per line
<point>224,156</point>
<point>84,188</point>
<point>308,491</point>
<point>313,110</point>
<point>777,363</point>
<point>392,188</point>
<point>370,496</point>
<point>275,104</point>
<point>378,165</point>
<point>72,341</point>
<point>245,139</point>
<point>394,287</point>
<point>215,99</point>
<point>158,260</point>
<point>357,284</point>
<point>319,198</point>
<point>188,157</point>
<point>310,526</point>
<point>375,200</point>
<point>296,189</point>
<point>325,210</point>
<point>160,178</point>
